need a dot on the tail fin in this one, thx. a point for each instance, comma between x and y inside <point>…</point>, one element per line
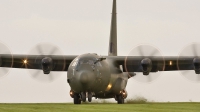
<point>112,51</point>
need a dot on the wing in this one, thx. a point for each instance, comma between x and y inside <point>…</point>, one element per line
<point>155,63</point>
<point>57,62</point>
<point>129,63</point>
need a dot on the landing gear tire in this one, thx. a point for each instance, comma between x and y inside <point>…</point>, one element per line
<point>89,96</point>
<point>120,99</point>
<point>77,99</point>
<point>83,96</point>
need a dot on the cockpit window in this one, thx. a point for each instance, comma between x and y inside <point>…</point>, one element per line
<point>75,62</point>
<point>86,61</point>
<point>98,64</point>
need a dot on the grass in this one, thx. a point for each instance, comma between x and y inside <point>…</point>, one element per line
<point>97,107</point>
<point>136,100</point>
<point>99,101</point>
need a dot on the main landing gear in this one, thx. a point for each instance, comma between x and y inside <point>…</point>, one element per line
<point>119,98</point>
<point>77,99</point>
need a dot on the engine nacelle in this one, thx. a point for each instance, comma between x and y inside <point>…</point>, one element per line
<point>196,62</point>
<point>0,61</point>
<point>47,65</point>
<point>146,66</point>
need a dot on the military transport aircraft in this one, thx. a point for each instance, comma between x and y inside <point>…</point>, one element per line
<point>90,75</point>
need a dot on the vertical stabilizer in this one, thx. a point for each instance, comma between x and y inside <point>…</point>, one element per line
<point>112,51</point>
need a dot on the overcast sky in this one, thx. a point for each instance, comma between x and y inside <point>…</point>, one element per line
<point>83,26</point>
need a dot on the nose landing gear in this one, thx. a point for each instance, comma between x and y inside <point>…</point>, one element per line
<point>89,96</point>
<point>83,96</point>
<point>78,97</point>
<point>119,98</point>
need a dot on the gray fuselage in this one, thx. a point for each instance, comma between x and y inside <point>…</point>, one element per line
<point>91,73</point>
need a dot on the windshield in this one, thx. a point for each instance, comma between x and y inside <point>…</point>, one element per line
<point>86,61</point>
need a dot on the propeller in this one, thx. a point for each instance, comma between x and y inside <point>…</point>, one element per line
<point>142,62</point>
<point>193,51</point>
<point>43,52</point>
<point>5,50</point>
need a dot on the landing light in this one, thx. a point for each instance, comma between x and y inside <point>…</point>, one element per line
<point>108,87</point>
<point>71,93</point>
<point>170,63</point>
<point>25,61</point>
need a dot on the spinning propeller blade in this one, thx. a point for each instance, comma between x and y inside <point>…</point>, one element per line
<point>192,50</point>
<point>142,52</point>
<point>43,50</point>
<point>5,50</point>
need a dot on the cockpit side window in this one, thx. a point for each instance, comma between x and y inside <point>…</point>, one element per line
<point>90,62</point>
<point>98,64</point>
<point>75,62</point>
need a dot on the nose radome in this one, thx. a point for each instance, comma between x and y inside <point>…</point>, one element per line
<point>84,77</point>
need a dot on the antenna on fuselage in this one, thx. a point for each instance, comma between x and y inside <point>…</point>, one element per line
<point>112,51</point>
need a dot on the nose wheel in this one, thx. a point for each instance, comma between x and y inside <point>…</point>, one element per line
<point>78,97</point>
<point>89,96</point>
<point>83,96</point>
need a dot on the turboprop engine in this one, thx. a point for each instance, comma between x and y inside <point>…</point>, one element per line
<point>47,65</point>
<point>196,62</point>
<point>146,65</point>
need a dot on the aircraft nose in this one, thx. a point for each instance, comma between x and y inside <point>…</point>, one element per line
<point>85,77</point>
